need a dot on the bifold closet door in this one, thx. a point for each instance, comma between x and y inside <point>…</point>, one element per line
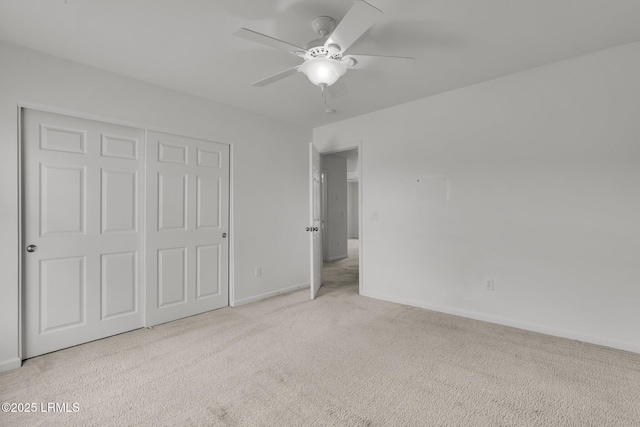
<point>187,225</point>
<point>82,191</point>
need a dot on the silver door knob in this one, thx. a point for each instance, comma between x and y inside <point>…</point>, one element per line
<point>32,248</point>
<point>224,235</point>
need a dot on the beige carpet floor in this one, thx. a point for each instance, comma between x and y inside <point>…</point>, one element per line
<point>341,360</point>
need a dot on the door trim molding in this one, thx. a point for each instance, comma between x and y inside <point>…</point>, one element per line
<point>336,148</point>
<point>20,232</point>
<point>114,121</point>
<point>232,235</point>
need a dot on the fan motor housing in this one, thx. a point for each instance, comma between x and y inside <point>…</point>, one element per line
<point>324,26</point>
<point>316,48</point>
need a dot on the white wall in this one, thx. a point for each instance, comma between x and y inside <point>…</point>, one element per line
<point>352,163</point>
<point>352,209</point>
<point>270,169</point>
<point>532,180</point>
<point>335,168</point>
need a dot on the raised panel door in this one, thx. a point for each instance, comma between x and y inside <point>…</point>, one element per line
<point>82,214</point>
<point>187,226</point>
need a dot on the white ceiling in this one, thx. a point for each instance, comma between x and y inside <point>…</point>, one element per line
<point>187,45</point>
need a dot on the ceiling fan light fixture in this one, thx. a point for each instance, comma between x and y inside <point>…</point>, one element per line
<point>323,71</point>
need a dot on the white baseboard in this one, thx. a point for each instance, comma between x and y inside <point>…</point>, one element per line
<point>10,364</point>
<point>562,333</point>
<point>337,258</point>
<point>243,301</point>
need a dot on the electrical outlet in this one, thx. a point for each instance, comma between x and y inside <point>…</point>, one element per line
<point>488,284</point>
<point>258,271</point>
<point>375,215</point>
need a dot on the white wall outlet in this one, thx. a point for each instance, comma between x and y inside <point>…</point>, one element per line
<point>488,284</point>
<point>375,215</point>
<point>258,271</point>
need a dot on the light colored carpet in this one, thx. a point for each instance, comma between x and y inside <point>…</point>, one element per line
<point>342,360</point>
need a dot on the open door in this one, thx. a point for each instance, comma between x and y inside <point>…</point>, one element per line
<point>315,214</point>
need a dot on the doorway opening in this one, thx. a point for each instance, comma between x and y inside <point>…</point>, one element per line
<point>340,221</point>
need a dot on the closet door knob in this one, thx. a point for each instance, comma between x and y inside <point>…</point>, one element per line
<point>32,248</point>
<point>224,235</point>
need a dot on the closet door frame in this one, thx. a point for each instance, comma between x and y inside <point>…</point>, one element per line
<point>21,105</point>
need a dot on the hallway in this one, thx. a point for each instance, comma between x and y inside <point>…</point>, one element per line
<point>343,274</point>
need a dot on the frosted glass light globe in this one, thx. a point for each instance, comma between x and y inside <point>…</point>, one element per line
<point>323,71</point>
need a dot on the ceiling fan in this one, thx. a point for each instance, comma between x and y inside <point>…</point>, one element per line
<point>325,59</point>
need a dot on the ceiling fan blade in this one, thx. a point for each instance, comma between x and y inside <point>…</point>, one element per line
<point>279,76</point>
<point>269,41</point>
<point>337,89</point>
<point>363,60</point>
<point>358,19</point>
